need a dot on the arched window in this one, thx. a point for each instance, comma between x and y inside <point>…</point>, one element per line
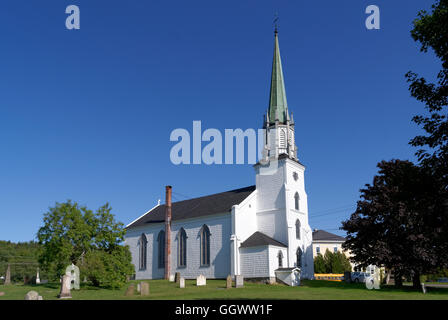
<point>161,253</point>
<point>299,257</point>
<point>205,246</point>
<point>296,201</point>
<point>182,248</point>
<point>298,225</point>
<point>280,259</point>
<point>143,242</point>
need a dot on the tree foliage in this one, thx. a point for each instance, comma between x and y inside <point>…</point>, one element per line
<point>75,234</point>
<point>22,258</point>
<point>399,222</point>
<point>431,31</point>
<point>331,262</point>
<point>107,269</point>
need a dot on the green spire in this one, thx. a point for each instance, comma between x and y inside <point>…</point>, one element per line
<point>278,107</point>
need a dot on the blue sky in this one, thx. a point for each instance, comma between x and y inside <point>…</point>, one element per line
<point>87,114</point>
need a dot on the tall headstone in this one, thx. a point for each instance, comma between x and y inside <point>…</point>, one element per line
<point>229,281</point>
<point>144,288</point>
<point>37,277</point>
<point>65,288</point>
<point>182,282</point>
<point>130,291</point>
<point>139,287</point>
<point>201,281</point>
<point>171,277</point>
<point>8,275</point>
<point>177,277</point>
<point>73,272</point>
<point>239,281</point>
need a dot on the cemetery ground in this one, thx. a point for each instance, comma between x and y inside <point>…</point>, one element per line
<point>216,290</point>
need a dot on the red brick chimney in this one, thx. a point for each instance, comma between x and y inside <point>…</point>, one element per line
<point>168,232</point>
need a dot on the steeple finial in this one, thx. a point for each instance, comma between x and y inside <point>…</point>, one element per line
<point>276,18</point>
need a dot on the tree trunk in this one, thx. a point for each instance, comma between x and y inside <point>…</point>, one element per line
<point>416,281</point>
<point>398,280</point>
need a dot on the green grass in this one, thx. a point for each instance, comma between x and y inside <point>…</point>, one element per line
<point>215,289</point>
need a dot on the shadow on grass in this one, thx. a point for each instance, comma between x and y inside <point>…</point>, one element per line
<point>362,286</point>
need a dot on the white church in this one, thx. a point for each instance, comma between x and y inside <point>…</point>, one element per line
<point>260,232</point>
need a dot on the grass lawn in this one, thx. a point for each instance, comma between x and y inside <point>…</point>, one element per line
<point>215,289</point>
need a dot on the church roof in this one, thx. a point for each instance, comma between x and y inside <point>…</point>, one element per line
<point>196,207</point>
<point>278,106</point>
<point>260,239</point>
<point>322,235</point>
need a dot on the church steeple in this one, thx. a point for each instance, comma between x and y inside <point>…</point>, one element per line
<point>278,106</point>
<point>278,124</point>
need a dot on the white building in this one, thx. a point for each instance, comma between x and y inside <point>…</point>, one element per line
<point>259,232</point>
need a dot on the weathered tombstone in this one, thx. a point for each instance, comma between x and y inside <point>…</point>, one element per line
<point>32,295</point>
<point>201,280</point>
<point>138,287</point>
<point>177,277</point>
<point>2,293</point>
<point>73,272</point>
<point>144,288</point>
<point>26,280</point>
<point>130,291</point>
<point>8,275</point>
<point>37,277</point>
<point>229,281</point>
<point>65,288</point>
<point>182,282</point>
<point>423,288</point>
<point>239,281</point>
<point>171,277</point>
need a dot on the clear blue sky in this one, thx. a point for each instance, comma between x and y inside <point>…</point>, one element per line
<point>86,115</point>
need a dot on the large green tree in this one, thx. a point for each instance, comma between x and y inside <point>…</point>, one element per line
<point>74,234</point>
<point>398,222</point>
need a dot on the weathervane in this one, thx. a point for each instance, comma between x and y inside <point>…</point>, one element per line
<point>276,18</point>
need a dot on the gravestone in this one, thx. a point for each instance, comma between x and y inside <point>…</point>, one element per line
<point>138,287</point>
<point>2,293</point>
<point>182,282</point>
<point>37,277</point>
<point>239,281</point>
<point>177,277</point>
<point>144,288</point>
<point>171,277</point>
<point>201,280</point>
<point>229,281</point>
<point>33,295</point>
<point>73,272</point>
<point>26,280</point>
<point>130,291</point>
<point>65,288</point>
<point>423,288</point>
<point>8,276</point>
